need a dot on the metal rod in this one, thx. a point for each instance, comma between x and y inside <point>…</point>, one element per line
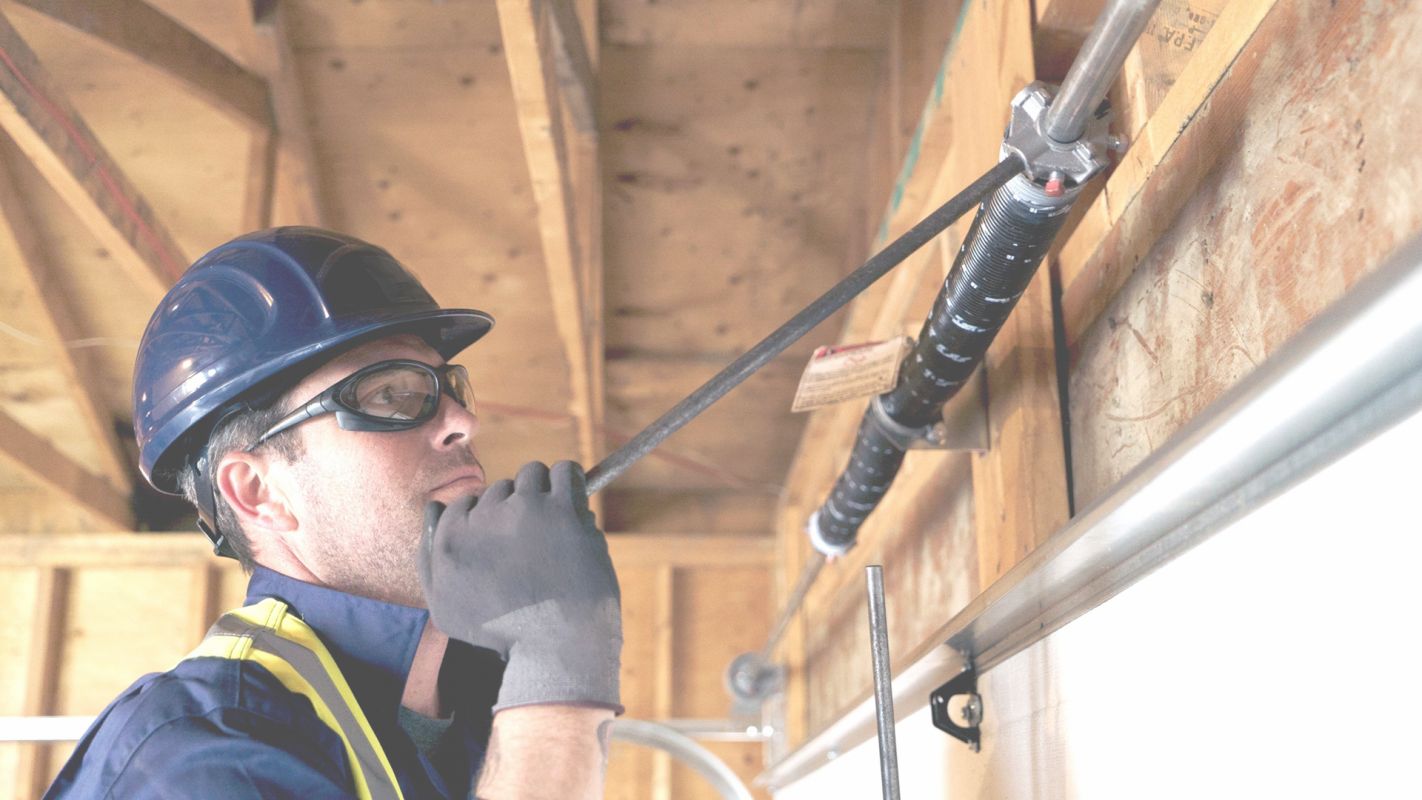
<point>808,574</point>
<point>883,682</point>
<point>1348,375</point>
<point>800,324</point>
<point>1096,66</point>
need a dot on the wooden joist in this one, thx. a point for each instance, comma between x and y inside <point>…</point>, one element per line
<point>59,324</point>
<point>139,29</point>
<point>300,200</point>
<point>526,27</point>
<point>125,549</point>
<point>52,135</point>
<point>36,458</point>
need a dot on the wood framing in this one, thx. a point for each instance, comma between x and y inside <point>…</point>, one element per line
<point>52,135</point>
<point>296,161</point>
<point>37,459</point>
<point>1173,153</point>
<point>963,517</point>
<point>126,549</point>
<point>60,324</point>
<point>42,674</point>
<point>146,33</point>
<point>526,26</point>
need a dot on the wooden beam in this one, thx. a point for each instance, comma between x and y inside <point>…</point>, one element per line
<point>59,323</point>
<point>52,135</point>
<point>300,201</point>
<point>664,673</point>
<point>203,599</point>
<point>258,204</point>
<point>122,548</point>
<point>527,36</point>
<point>1175,150</point>
<point>153,37</point>
<point>37,458</point>
<point>41,676</point>
<point>574,68</point>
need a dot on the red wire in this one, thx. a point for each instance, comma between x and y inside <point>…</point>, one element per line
<point>170,262</point>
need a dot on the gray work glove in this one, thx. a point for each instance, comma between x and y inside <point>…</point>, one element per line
<point>524,571</point>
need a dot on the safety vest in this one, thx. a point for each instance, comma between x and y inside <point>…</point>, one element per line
<point>266,633</point>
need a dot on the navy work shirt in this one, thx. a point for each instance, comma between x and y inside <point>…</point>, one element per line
<point>216,727</point>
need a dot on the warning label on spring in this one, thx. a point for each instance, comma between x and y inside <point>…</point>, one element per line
<point>844,372</point>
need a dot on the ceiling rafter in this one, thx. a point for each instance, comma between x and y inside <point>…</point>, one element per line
<point>157,39</point>
<point>37,458</point>
<point>55,138</point>
<point>58,321</point>
<point>563,192</point>
<point>296,160</point>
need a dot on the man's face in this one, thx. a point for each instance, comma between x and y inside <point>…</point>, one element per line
<point>359,497</point>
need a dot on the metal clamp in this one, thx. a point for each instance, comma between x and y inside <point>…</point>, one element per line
<point>1044,159</point>
<point>902,436</point>
<point>964,683</point>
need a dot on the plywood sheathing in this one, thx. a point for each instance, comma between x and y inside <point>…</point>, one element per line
<point>1293,181</point>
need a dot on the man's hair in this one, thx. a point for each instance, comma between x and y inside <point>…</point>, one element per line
<point>238,432</point>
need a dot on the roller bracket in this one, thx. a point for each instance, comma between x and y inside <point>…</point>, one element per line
<point>965,684</point>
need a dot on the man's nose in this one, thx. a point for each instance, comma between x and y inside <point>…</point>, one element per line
<point>454,423</point>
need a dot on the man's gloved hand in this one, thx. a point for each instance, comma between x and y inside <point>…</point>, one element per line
<point>523,570</point>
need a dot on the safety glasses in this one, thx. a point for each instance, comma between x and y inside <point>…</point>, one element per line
<point>394,395</point>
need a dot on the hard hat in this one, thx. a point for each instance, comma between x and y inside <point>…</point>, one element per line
<point>259,311</point>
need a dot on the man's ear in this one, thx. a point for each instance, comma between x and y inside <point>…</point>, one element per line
<point>251,489</point>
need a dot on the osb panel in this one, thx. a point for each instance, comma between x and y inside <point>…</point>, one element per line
<point>743,442</point>
<point>720,613</point>
<point>1310,192</point>
<point>925,541</point>
<point>420,151</point>
<point>730,181</point>
<point>746,23</point>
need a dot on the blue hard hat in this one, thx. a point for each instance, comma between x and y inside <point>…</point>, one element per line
<point>256,314</point>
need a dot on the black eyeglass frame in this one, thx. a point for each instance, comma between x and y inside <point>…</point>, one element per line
<point>335,400</point>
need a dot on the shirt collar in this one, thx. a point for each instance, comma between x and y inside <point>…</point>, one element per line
<point>372,641</point>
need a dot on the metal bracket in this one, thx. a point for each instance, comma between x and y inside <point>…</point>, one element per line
<point>1044,159</point>
<point>751,680</point>
<point>964,683</point>
<point>965,420</point>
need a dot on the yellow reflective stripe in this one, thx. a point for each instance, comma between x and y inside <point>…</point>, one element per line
<point>271,615</point>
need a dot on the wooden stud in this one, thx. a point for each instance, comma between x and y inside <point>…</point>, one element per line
<point>296,160</point>
<point>148,34</point>
<point>121,548</point>
<point>60,323</point>
<point>36,458</point>
<point>204,598</point>
<point>52,135</point>
<point>664,674</point>
<point>525,25</point>
<point>261,181</point>
<point>42,674</point>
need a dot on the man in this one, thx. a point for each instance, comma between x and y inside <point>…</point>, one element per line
<point>294,385</point>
